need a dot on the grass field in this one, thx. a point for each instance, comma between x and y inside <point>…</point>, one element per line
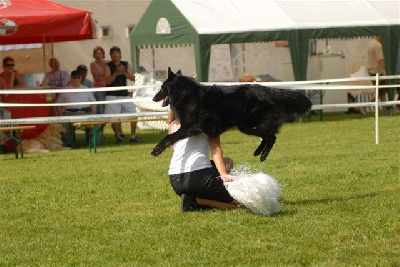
<point>340,203</point>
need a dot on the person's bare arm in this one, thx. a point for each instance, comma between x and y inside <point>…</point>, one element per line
<point>129,73</point>
<point>93,108</point>
<point>60,110</point>
<point>382,63</point>
<point>173,127</point>
<point>20,81</point>
<point>110,77</point>
<point>218,157</point>
<point>3,83</point>
<point>93,72</point>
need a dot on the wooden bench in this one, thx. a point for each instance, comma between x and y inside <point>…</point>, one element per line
<point>94,127</point>
<point>14,133</point>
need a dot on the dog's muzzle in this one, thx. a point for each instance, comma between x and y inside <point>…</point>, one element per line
<point>158,98</point>
<point>165,101</point>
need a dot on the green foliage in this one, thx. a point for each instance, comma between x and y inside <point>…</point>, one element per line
<point>340,200</point>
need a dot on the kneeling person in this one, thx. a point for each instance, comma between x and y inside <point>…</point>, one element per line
<point>199,182</point>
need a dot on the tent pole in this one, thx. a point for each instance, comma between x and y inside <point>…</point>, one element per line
<point>153,55</point>
<point>52,47</point>
<point>137,57</point>
<point>44,55</point>
<point>244,58</point>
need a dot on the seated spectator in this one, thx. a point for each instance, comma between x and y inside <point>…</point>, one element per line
<point>56,78</point>
<point>12,77</point>
<point>71,97</point>
<point>3,83</point>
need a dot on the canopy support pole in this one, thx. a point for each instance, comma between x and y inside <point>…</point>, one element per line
<point>44,55</point>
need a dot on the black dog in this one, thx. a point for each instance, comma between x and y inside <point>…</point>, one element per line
<point>254,109</point>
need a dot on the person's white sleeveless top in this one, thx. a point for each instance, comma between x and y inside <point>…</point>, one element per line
<point>190,154</point>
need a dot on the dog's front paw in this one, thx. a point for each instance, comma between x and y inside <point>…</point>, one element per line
<point>157,150</point>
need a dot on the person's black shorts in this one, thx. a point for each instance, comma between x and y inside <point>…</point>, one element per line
<point>204,183</point>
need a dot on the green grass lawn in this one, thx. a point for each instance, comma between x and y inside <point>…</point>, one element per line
<point>340,203</point>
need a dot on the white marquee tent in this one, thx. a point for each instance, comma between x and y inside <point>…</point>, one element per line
<point>202,23</point>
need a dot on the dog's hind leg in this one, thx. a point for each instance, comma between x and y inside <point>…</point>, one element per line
<point>260,148</point>
<point>268,146</point>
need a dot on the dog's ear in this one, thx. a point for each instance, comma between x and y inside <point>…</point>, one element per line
<point>179,73</point>
<point>170,73</point>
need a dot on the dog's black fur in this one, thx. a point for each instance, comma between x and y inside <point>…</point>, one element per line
<point>254,109</point>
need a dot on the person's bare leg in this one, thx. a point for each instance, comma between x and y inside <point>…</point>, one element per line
<point>382,98</point>
<point>217,204</point>
<point>133,128</point>
<point>372,99</point>
<point>117,129</point>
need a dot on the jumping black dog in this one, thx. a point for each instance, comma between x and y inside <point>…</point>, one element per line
<point>254,109</point>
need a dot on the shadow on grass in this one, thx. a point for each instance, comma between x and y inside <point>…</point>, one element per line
<point>328,200</point>
<point>338,117</point>
<point>145,136</point>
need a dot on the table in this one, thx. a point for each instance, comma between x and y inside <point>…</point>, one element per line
<point>93,126</point>
<point>14,133</point>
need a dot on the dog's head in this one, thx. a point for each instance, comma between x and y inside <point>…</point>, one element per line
<point>165,92</point>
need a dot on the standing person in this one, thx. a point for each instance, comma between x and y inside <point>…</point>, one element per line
<point>12,77</point>
<point>376,65</point>
<point>117,73</point>
<point>194,178</point>
<point>71,97</point>
<point>82,69</point>
<point>98,70</point>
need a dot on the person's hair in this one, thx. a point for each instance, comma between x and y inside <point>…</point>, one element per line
<point>6,59</point>
<point>115,48</point>
<point>53,59</point>
<point>98,48</point>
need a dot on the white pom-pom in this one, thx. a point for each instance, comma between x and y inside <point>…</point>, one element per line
<point>259,192</point>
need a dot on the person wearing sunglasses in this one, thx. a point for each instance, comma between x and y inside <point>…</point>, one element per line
<point>12,77</point>
<point>74,110</point>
